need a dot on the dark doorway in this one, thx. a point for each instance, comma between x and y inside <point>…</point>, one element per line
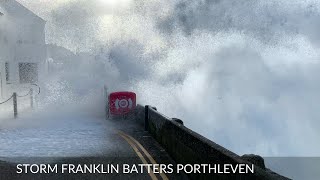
<point>28,72</point>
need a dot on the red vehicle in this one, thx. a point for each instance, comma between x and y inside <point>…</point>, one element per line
<point>120,103</point>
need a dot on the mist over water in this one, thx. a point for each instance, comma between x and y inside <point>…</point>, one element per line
<point>242,73</point>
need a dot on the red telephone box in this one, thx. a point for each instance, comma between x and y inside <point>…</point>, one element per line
<point>121,103</point>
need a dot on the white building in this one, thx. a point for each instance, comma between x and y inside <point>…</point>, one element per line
<point>22,46</point>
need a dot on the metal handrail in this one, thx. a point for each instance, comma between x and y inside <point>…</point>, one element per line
<point>26,94</point>
<point>6,100</point>
<point>37,86</point>
<point>15,95</point>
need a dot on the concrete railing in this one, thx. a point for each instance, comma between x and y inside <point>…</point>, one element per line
<point>188,147</point>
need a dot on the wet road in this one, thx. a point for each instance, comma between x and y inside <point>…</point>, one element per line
<point>79,139</point>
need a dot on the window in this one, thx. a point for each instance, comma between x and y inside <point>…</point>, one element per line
<point>7,71</point>
<point>28,72</point>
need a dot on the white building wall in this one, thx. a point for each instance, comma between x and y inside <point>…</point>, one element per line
<point>22,40</point>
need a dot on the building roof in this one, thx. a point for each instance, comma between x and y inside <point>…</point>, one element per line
<point>15,9</point>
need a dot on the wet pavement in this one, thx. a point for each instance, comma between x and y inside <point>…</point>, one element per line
<point>81,138</point>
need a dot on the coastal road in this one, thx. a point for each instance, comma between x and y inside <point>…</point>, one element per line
<point>79,139</point>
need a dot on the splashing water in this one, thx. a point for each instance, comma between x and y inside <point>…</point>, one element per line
<point>243,74</point>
